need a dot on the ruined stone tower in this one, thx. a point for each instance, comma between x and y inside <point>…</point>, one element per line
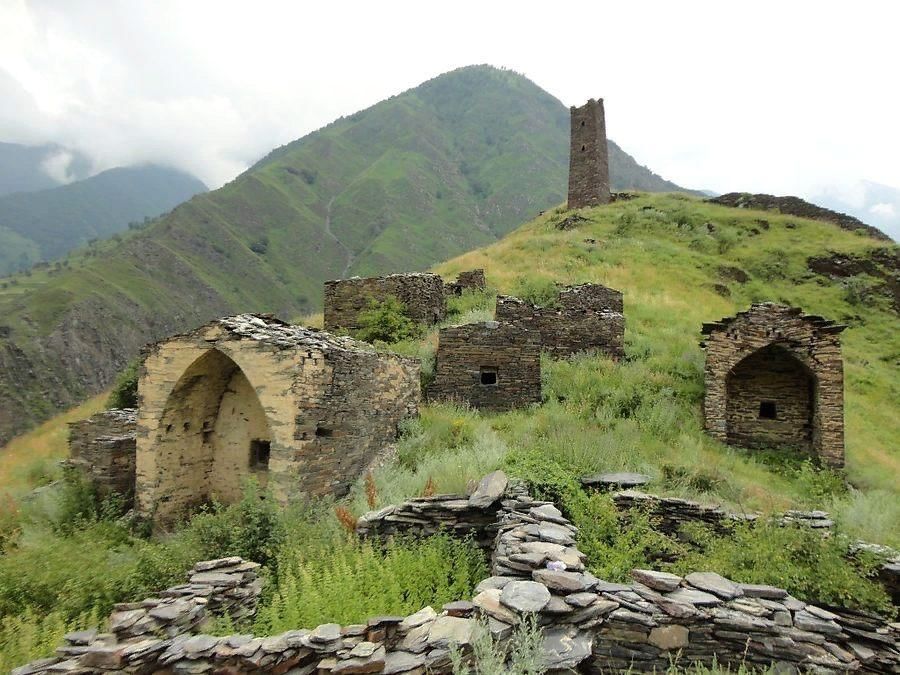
<point>588,156</point>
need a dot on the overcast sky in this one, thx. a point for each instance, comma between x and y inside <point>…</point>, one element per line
<point>784,97</point>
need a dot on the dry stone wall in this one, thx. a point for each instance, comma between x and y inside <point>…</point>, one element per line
<point>775,378</point>
<point>422,294</point>
<point>488,365</point>
<point>102,449</point>
<point>583,318</point>
<point>472,280</point>
<point>588,624</point>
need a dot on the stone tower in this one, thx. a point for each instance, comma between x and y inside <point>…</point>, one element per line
<point>588,156</point>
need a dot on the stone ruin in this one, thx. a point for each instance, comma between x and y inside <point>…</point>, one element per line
<point>588,624</point>
<point>588,156</point>
<point>487,365</point>
<point>299,409</point>
<point>102,450</point>
<point>472,280</point>
<point>775,379</point>
<point>582,318</point>
<point>421,294</point>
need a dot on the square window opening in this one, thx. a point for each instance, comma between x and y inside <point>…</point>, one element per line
<point>767,410</point>
<point>324,432</point>
<point>488,376</point>
<point>259,454</point>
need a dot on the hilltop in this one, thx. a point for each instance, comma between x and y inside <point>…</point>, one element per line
<point>46,224</point>
<point>437,170</point>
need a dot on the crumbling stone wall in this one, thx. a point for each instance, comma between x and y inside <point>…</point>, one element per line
<point>422,294</point>
<point>775,378</point>
<point>583,318</point>
<point>299,409</point>
<point>472,280</point>
<point>588,156</point>
<point>589,625</point>
<point>102,449</point>
<point>488,365</point>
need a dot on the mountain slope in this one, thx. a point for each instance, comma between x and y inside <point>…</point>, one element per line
<point>26,168</point>
<point>873,203</point>
<point>54,221</point>
<point>425,175</point>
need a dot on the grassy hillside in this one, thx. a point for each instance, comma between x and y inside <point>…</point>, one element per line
<point>427,174</point>
<point>677,260</point>
<point>52,222</point>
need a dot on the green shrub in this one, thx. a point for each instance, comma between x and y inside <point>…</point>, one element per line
<point>798,559</point>
<point>521,655</point>
<point>339,579</point>
<point>538,290</point>
<point>385,321</point>
<point>34,635</point>
<point>124,393</point>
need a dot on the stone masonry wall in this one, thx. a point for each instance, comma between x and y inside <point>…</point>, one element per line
<point>472,280</point>
<point>422,294</point>
<point>588,624</point>
<point>488,365</point>
<point>588,156</point>
<point>102,448</point>
<point>792,362</point>
<point>583,318</point>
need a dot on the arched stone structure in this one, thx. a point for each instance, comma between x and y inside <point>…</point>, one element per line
<point>300,409</point>
<point>774,378</point>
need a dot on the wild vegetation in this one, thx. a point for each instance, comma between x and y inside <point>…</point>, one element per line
<point>674,257</point>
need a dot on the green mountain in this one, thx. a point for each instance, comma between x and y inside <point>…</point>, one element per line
<point>440,169</point>
<point>46,224</point>
<point>26,168</point>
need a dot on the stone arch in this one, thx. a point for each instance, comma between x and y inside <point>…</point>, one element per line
<point>213,433</point>
<point>770,400</point>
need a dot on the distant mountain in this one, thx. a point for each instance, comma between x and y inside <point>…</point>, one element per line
<point>46,224</point>
<point>873,203</point>
<point>437,170</point>
<point>26,168</point>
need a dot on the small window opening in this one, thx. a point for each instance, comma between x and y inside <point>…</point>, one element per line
<point>186,426</point>
<point>488,376</point>
<point>324,432</point>
<point>582,122</point>
<point>767,410</point>
<point>259,454</point>
<point>207,436</point>
<point>169,428</point>
<point>583,148</point>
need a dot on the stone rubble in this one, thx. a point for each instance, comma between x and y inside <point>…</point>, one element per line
<point>588,624</point>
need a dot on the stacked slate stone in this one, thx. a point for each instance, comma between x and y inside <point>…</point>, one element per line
<point>102,450</point>
<point>670,513</point>
<point>474,516</point>
<point>472,280</point>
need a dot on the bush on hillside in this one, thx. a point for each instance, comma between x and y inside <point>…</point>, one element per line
<point>124,393</point>
<point>537,290</point>
<point>385,321</point>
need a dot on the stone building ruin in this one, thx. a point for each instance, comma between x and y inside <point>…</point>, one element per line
<point>775,379</point>
<point>102,449</point>
<point>422,294</point>
<point>471,280</point>
<point>582,318</point>
<point>301,410</point>
<point>488,365</point>
<point>588,156</point>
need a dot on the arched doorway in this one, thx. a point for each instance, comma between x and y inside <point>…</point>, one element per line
<point>213,434</point>
<point>771,398</point>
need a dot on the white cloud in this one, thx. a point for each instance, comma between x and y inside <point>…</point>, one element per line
<point>884,210</point>
<point>57,166</point>
<point>762,96</point>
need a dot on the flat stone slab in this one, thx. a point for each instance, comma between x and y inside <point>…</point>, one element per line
<point>763,591</point>
<point>658,581</point>
<point>715,584</point>
<point>489,490</point>
<point>692,597</point>
<point>564,648</point>
<point>567,582</point>
<point>621,480</point>
<point>525,596</point>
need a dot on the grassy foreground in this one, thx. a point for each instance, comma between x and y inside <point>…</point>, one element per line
<point>62,567</point>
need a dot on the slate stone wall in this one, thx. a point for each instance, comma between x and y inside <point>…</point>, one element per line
<point>422,294</point>
<point>468,355</point>
<point>102,449</point>
<point>588,156</point>
<point>583,318</point>
<point>472,280</point>
<point>588,625</point>
<point>775,378</point>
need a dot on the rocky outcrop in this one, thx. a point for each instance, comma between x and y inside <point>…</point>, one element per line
<point>794,206</point>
